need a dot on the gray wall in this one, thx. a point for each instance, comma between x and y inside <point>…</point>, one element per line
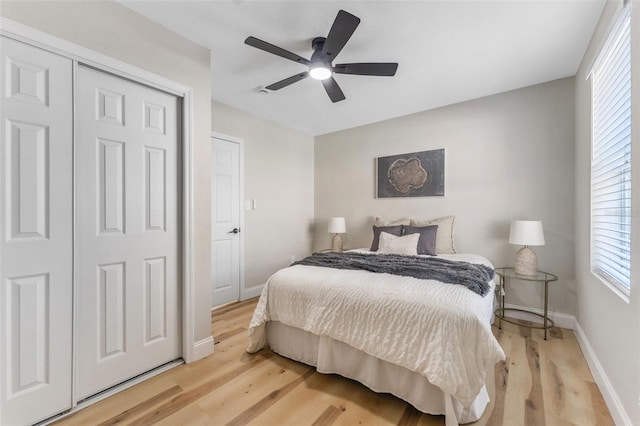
<point>508,156</point>
<point>610,324</point>
<point>111,29</point>
<point>278,173</point>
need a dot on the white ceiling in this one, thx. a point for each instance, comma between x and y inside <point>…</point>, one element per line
<point>448,51</point>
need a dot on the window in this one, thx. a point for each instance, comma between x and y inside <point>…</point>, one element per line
<point>611,158</point>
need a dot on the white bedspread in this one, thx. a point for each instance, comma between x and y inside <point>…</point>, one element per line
<point>442,331</point>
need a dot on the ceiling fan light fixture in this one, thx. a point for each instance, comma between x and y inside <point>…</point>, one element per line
<point>320,72</point>
<point>325,51</point>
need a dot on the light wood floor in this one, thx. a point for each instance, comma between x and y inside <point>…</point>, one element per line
<point>540,383</point>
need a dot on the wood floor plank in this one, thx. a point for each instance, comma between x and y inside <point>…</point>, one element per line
<point>233,315</point>
<point>225,326</point>
<point>234,307</point>
<point>252,387</point>
<point>308,400</point>
<point>191,415</point>
<point>566,384</point>
<point>256,409</point>
<point>328,417</point>
<point>370,407</point>
<point>556,385</point>
<point>186,398</point>
<point>222,325</point>
<point>519,377</point>
<point>576,362</point>
<point>119,402</point>
<point>501,381</point>
<point>556,333</point>
<point>600,410</point>
<point>347,395</point>
<point>142,407</point>
<point>431,420</point>
<point>548,382</point>
<point>230,333</point>
<point>356,404</point>
<point>227,356</point>
<point>410,416</point>
<point>563,390</point>
<point>534,404</point>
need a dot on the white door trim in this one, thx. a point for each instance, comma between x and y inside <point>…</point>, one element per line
<point>240,143</point>
<point>192,350</point>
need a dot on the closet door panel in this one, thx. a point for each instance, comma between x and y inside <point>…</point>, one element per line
<point>36,233</point>
<point>127,246</point>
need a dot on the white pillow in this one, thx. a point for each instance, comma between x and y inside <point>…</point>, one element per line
<point>444,236</point>
<point>407,244</point>
<point>383,222</point>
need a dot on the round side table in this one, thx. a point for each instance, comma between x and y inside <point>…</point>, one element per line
<point>540,277</point>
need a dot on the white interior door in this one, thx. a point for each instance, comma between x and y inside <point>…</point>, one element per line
<point>127,251</point>
<point>225,216</point>
<point>36,208</point>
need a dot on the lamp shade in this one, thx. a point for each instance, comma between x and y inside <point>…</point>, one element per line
<point>337,225</point>
<point>526,233</point>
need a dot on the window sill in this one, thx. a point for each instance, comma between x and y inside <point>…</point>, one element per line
<point>622,294</point>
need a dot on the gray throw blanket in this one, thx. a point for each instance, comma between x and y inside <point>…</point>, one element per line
<point>473,276</point>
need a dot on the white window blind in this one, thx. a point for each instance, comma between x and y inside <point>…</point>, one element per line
<point>611,158</point>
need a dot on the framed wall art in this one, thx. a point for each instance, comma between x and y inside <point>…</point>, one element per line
<point>417,174</point>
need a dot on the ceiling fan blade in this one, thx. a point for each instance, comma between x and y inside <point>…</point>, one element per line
<point>273,49</point>
<point>341,30</point>
<point>289,80</point>
<point>333,90</point>
<point>386,69</point>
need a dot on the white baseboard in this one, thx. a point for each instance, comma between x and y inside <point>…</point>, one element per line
<point>252,292</point>
<point>559,319</point>
<point>202,348</point>
<point>620,416</point>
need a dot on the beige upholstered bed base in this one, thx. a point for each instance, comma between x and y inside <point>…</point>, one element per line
<point>331,356</point>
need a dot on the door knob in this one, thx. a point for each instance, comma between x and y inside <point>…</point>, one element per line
<point>234,231</point>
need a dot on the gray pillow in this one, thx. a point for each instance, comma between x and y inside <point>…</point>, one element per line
<point>427,241</point>
<point>393,230</point>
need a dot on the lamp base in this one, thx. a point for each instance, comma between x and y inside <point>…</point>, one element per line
<point>336,244</point>
<point>526,262</point>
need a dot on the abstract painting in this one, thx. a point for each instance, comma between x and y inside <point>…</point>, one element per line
<point>417,174</point>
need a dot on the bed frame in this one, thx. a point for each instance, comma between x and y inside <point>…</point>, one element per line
<point>331,356</point>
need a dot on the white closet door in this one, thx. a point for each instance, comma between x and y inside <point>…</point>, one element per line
<point>127,250</point>
<point>36,208</point>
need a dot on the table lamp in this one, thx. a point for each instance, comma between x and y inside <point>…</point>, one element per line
<point>526,233</point>
<point>337,225</point>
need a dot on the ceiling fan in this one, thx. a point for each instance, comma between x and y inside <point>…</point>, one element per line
<point>325,52</point>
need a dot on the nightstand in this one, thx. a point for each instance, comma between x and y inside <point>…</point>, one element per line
<point>331,251</point>
<point>540,277</point>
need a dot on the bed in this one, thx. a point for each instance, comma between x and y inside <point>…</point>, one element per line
<point>423,340</point>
